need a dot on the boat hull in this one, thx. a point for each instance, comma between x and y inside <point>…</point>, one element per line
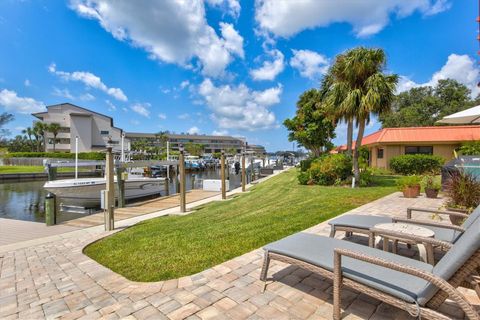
<point>86,192</point>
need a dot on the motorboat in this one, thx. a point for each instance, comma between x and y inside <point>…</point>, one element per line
<point>86,192</point>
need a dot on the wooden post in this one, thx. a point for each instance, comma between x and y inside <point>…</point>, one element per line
<point>222,175</point>
<point>121,187</point>
<point>251,169</point>
<point>177,179</point>
<point>192,181</point>
<point>110,189</point>
<point>243,172</point>
<point>167,187</point>
<point>183,200</point>
<point>50,209</point>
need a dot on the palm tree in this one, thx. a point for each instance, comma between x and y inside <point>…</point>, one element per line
<point>54,128</point>
<point>359,88</point>
<point>29,132</point>
<point>39,134</point>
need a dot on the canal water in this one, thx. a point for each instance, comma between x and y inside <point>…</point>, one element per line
<point>25,200</point>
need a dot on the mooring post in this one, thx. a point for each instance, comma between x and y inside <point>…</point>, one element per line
<point>222,175</point>
<point>167,187</point>
<point>177,179</point>
<point>251,168</point>
<point>183,199</point>
<point>50,210</point>
<point>243,172</point>
<point>192,180</point>
<point>121,186</point>
<point>51,172</point>
<point>109,225</point>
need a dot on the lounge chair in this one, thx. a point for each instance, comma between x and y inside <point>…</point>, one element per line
<point>417,287</point>
<point>364,223</point>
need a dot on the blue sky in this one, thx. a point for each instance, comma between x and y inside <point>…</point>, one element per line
<point>216,66</point>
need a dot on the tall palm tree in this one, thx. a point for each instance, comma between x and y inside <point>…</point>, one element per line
<point>29,133</point>
<point>54,128</point>
<point>360,88</point>
<point>39,134</point>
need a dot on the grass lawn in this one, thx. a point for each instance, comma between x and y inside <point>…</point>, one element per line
<point>175,246</point>
<point>33,169</point>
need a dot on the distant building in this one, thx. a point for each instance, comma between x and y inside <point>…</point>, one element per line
<point>211,144</point>
<point>256,149</point>
<point>387,143</point>
<point>93,129</point>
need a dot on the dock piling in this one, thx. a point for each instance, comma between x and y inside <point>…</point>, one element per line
<point>222,173</point>
<point>50,209</point>
<point>243,172</point>
<point>167,187</point>
<point>110,193</point>
<point>121,187</point>
<point>183,200</point>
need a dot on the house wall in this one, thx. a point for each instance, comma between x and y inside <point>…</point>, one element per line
<point>81,126</point>
<point>390,151</point>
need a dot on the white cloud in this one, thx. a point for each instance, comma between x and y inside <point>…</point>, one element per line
<point>27,83</point>
<point>142,109</point>
<point>220,132</point>
<point>232,7</point>
<point>11,102</point>
<point>87,97</point>
<point>310,64</point>
<point>458,67</point>
<point>170,31</point>
<point>64,93</point>
<point>367,17</point>
<point>162,116</point>
<point>88,79</point>
<point>193,130</point>
<point>183,116</point>
<point>269,69</point>
<point>233,40</point>
<point>239,107</point>
<point>184,84</point>
<point>111,106</point>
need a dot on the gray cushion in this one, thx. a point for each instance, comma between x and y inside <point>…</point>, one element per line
<point>359,221</point>
<point>318,250</point>
<point>471,218</point>
<point>462,250</point>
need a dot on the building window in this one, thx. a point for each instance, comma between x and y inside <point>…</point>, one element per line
<point>104,132</point>
<point>419,150</point>
<point>379,153</point>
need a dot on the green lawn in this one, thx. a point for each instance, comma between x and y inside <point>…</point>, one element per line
<point>176,246</point>
<point>33,169</point>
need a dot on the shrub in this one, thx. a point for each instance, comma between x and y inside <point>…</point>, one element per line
<point>303,178</point>
<point>330,168</point>
<point>463,190</point>
<point>431,182</point>
<point>366,178</point>
<point>305,164</point>
<point>59,155</point>
<point>470,148</point>
<point>416,164</point>
<point>408,182</point>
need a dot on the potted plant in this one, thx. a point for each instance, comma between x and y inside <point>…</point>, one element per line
<point>431,186</point>
<point>463,191</point>
<point>410,186</point>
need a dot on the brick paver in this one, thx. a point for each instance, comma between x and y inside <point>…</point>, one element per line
<point>56,280</point>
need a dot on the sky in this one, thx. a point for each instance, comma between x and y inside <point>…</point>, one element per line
<point>221,67</point>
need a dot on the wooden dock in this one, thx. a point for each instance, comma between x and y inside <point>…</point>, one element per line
<point>138,209</point>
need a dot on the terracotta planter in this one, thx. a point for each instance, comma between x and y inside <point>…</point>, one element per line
<point>454,219</point>
<point>410,192</point>
<point>417,188</point>
<point>431,193</point>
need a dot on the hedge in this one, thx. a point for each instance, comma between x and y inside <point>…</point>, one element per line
<point>60,155</point>
<point>327,170</point>
<point>416,164</point>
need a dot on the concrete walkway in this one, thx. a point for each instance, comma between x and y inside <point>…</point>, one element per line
<point>53,279</point>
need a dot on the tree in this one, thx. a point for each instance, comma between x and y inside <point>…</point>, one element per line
<point>424,106</point>
<point>39,134</point>
<point>359,88</point>
<point>4,119</point>
<point>19,144</point>
<point>194,149</point>
<point>54,128</point>
<point>29,133</point>
<point>310,126</point>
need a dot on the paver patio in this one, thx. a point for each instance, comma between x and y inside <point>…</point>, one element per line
<point>55,280</point>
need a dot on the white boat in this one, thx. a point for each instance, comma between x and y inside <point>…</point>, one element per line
<point>85,192</point>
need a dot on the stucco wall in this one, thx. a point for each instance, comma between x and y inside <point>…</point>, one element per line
<point>81,126</point>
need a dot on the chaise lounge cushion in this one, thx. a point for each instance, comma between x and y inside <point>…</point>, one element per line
<point>462,250</point>
<point>359,221</point>
<point>319,251</point>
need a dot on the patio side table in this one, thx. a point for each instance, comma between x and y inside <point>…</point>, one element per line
<point>425,249</point>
